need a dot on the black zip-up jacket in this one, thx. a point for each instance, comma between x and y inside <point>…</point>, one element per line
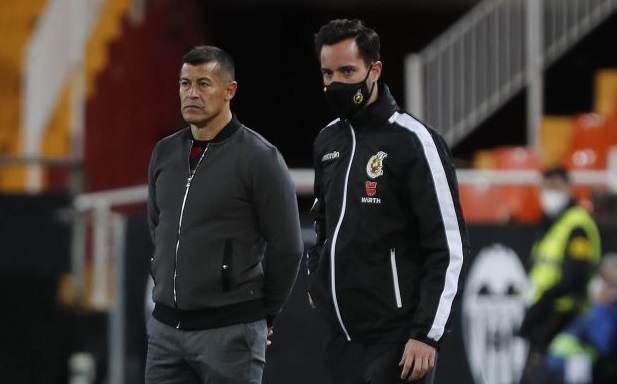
<point>212,227</point>
<point>391,237</point>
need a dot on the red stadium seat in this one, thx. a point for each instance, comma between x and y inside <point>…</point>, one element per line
<point>517,158</point>
<point>520,199</point>
<point>483,203</point>
<point>591,140</point>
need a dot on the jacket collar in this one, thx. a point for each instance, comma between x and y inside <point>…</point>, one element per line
<point>378,112</point>
<point>224,133</point>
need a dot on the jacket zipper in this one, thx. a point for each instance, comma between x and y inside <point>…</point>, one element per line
<point>335,236</point>
<point>397,289</point>
<point>189,180</point>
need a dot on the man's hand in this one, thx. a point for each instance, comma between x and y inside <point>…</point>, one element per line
<point>270,333</point>
<point>418,358</point>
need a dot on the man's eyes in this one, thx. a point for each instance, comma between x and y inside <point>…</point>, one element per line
<point>349,72</point>
<point>201,84</point>
<point>342,72</point>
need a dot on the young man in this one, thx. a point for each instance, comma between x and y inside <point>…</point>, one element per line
<point>390,232</point>
<point>220,197</point>
<point>563,261</point>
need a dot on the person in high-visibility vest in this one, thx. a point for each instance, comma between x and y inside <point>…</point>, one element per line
<point>563,260</point>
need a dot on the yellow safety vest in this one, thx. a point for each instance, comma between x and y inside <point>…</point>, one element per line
<point>547,255</point>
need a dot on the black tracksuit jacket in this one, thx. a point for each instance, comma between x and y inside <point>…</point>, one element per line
<point>212,230</point>
<point>391,237</point>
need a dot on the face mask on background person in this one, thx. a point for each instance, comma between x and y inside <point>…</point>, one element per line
<point>553,201</point>
<point>346,99</point>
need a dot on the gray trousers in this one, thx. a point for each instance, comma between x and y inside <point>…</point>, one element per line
<point>234,354</point>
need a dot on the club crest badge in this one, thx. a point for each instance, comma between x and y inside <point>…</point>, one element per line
<point>358,98</point>
<point>374,167</point>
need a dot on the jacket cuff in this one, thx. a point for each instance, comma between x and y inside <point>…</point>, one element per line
<point>425,340</point>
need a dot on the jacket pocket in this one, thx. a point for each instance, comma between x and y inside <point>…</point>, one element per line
<point>226,271</point>
<point>317,286</point>
<point>397,289</point>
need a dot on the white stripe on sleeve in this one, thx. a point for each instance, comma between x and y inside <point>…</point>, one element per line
<point>448,215</point>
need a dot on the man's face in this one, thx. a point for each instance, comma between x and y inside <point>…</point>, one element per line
<point>555,195</point>
<point>341,62</point>
<point>555,183</point>
<point>204,92</point>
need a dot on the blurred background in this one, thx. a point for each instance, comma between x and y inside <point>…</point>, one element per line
<point>87,87</point>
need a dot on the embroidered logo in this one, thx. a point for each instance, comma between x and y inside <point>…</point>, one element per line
<point>374,167</point>
<point>330,156</point>
<point>358,98</point>
<point>371,188</point>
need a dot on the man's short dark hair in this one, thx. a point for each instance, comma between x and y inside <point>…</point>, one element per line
<point>557,171</point>
<point>207,54</point>
<point>338,30</point>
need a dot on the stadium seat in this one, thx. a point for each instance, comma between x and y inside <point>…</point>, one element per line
<point>555,137</point>
<point>605,92</point>
<point>516,158</point>
<point>483,159</point>
<point>483,203</point>
<point>592,137</point>
<point>520,199</point>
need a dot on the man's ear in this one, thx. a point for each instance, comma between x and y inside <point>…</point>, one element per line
<point>376,70</point>
<point>230,90</point>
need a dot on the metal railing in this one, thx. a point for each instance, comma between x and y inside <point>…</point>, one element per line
<point>97,210</point>
<point>489,55</point>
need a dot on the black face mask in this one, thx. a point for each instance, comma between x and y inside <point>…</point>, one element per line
<point>346,99</point>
